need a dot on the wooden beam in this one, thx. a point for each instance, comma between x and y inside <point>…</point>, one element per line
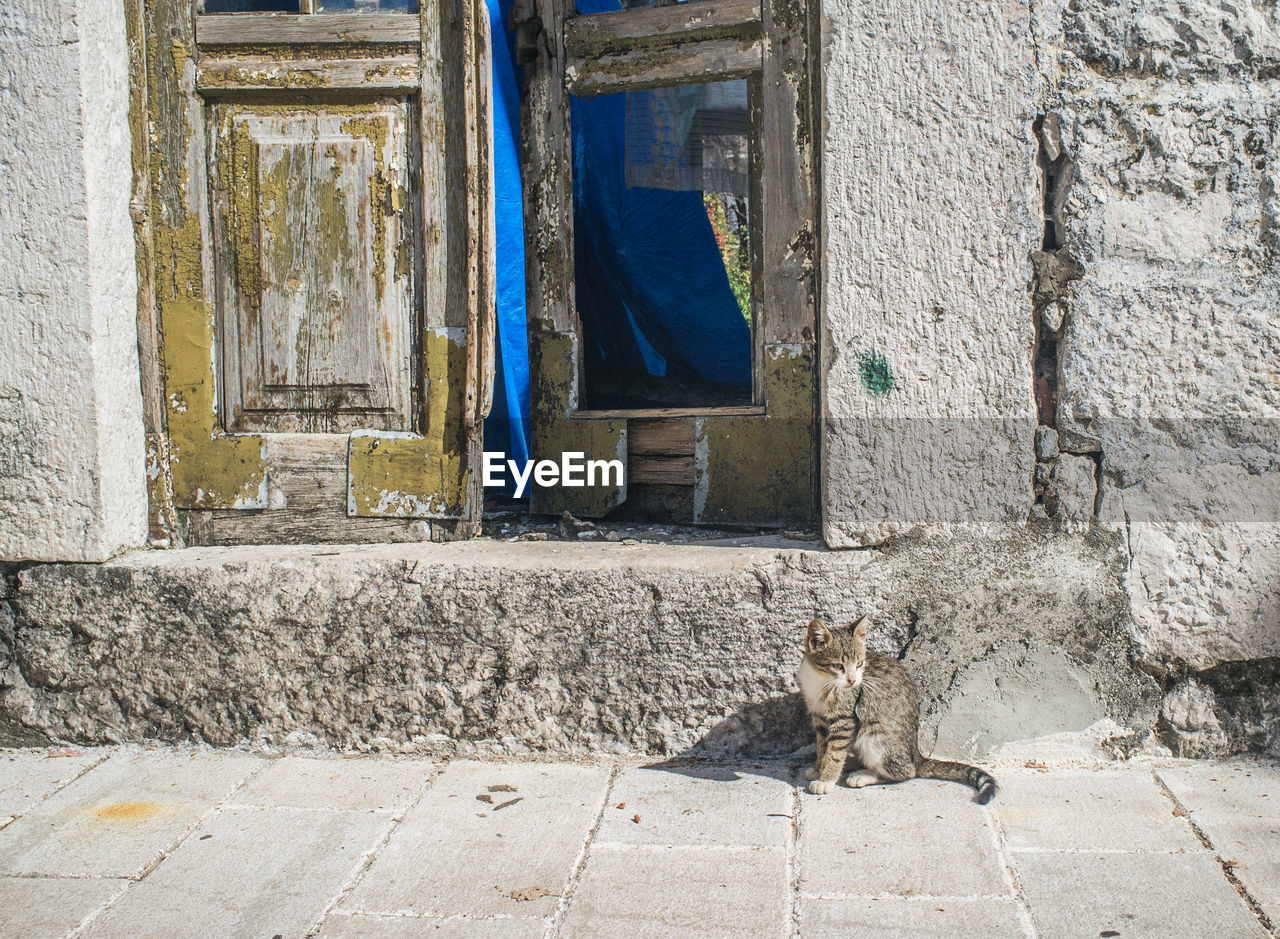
<point>266,29</point>
<point>243,74</point>
<point>626,30</point>
<point>747,410</point>
<point>710,60</point>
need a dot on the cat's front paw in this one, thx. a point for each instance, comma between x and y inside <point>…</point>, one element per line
<point>811,773</point>
<point>820,787</point>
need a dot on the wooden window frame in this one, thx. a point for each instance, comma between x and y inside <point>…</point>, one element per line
<point>754,465</point>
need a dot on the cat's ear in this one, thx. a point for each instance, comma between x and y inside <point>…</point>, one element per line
<point>860,628</point>
<point>817,636</point>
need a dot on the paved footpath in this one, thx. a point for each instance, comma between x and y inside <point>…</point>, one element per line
<point>186,842</point>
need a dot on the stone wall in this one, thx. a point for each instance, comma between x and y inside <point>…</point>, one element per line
<point>1068,211</point>
<point>1169,349</point>
<point>71,437</point>
<point>569,647</point>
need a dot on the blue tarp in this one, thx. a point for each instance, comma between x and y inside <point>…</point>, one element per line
<point>507,428</point>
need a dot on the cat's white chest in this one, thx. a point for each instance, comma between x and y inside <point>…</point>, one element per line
<point>811,683</point>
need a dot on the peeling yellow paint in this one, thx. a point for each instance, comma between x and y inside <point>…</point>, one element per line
<point>209,469</point>
<point>553,372</point>
<point>417,475</point>
<point>759,470</point>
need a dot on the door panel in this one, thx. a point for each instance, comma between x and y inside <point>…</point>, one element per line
<point>324,290</point>
<point>315,266</point>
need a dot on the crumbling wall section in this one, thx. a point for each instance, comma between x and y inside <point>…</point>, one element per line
<point>1167,339</point>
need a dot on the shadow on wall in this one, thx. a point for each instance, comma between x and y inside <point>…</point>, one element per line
<point>775,730</point>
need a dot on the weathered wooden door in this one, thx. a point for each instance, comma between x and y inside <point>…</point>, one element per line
<point>320,219</point>
<point>735,119</point>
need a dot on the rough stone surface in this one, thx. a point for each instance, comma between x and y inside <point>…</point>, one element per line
<point>1152,903</point>
<point>1167,357</point>
<point>540,645</point>
<point>428,865</point>
<point>248,871</point>
<point>118,821</point>
<point>720,892</point>
<point>930,214</point>
<point>72,482</point>
<point>890,824</point>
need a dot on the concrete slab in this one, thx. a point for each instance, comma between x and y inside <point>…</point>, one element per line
<point>455,853</point>
<point>910,916</point>
<point>1230,789</point>
<point>699,804</point>
<point>918,837</point>
<point>354,784</point>
<point>119,818</point>
<point>1082,810</point>
<point>27,776</point>
<point>1252,847</point>
<point>361,925</point>
<point>631,892</point>
<point>248,871</point>
<point>1073,895</point>
<point>50,906</point>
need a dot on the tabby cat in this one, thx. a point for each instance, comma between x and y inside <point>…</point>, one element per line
<point>866,702</point>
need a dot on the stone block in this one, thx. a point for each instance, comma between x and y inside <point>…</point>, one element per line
<point>1046,443</point>
<point>248,871</point>
<point>1237,807</point>
<point>917,837</point>
<point>430,863</point>
<point>119,818</point>
<point>911,916</point>
<point>699,804</point>
<point>1079,810</point>
<point>927,244</point>
<point>72,474</point>
<point>362,925</point>
<point>1081,894</point>
<point>51,906</point>
<point>353,784</point>
<point>28,776</point>
<point>1234,789</point>
<point>626,892</point>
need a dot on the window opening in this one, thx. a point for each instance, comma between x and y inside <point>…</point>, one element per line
<point>663,245</point>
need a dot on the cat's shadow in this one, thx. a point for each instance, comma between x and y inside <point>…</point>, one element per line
<point>769,738</point>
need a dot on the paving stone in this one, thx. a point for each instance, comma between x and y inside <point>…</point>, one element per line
<point>1074,895</point>
<point>360,925</point>
<point>1235,788</point>
<point>642,891</point>
<point>26,776</point>
<point>1253,845</point>
<point>248,871</point>
<point>456,854</point>
<point>120,817</point>
<point>1083,810</point>
<point>50,906</point>
<point>918,837</point>
<point>353,784</point>
<point>907,916</point>
<point>699,805</point>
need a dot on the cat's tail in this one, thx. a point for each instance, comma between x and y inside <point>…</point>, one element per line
<point>979,779</point>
